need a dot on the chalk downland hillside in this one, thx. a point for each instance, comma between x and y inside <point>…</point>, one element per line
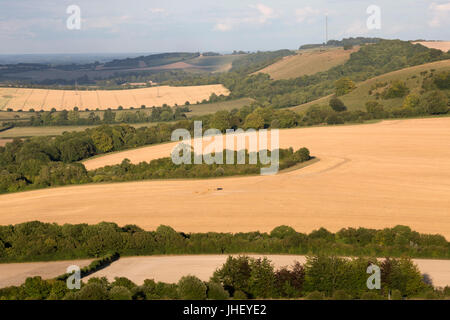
<point>307,62</point>
<point>356,99</point>
<point>44,99</point>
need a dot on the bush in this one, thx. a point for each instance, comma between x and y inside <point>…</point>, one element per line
<point>341,295</point>
<point>217,292</point>
<point>334,119</point>
<point>191,288</point>
<point>396,295</point>
<point>92,291</point>
<point>120,293</point>
<point>239,295</point>
<point>337,104</point>
<point>315,295</point>
<point>370,296</point>
<point>397,89</point>
<point>435,102</point>
<point>344,86</point>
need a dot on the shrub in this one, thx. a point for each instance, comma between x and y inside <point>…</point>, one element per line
<point>217,292</point>
<point>334,119</point>
<point>92,291</point>
<point>239,295</point>
<point>396,295</point>
<point>397,89</point>
<point>315,295</point>
<point>337,104</point>
<point>370,296</point>
<point>341,295</point>
<point>191,288</point>
<point>120,293</point>
<point>435,102</point>
<point>344,86</point>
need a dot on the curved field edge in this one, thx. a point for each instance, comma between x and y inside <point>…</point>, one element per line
<point>392,173</point>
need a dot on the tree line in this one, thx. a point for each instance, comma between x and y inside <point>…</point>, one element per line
<point>37,241</point>
<point>41,172</point>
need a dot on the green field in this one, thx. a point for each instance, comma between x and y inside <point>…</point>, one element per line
<point>214,63</point>
<point>26,132</point>
<point>357,99</point>
<point>202,109</point>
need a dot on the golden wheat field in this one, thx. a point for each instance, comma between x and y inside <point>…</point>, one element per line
<point>371,175</point>
<point>440,45</point>
<point>43,99</point>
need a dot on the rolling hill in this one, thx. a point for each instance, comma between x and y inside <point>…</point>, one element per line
<point>357,99</point>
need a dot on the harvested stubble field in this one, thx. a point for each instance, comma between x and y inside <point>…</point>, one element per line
<point>171,268</point>
<point>372,175</point>
<point>14,274</point>
<point>307,62</point>
<point>43,99</point>
<point>440,45</point>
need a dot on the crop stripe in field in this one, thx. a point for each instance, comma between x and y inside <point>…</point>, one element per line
<point>135,100</point>
<point>62,98</point>
<point>45,99</point>
<point>26,100</point>
<point>98,99</point>
<point>115,98</point>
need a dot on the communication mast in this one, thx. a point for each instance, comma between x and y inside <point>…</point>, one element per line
<point>326,30</point>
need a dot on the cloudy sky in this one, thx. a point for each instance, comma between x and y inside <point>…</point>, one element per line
<point>113,26</point>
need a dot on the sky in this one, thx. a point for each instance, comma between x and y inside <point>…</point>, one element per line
<point>117,26</point>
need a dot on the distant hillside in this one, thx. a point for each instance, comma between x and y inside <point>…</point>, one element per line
<point>344,42</point>
<point>259,60</point>
<point>307,62</point>
<point>151,60</point>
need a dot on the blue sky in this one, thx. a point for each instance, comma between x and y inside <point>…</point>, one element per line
<point>111,26</point>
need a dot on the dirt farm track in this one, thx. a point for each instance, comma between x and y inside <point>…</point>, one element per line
<point>371,175</point>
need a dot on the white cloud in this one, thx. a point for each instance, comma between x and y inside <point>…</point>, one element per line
<point>266,13</point>
<point>223,26</point>
<point>262,15</point>
<point>157,10</point>
<point>307,14</point>
<point>110,23</point>
<point>440,13</point>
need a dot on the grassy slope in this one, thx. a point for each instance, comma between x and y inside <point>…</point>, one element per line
<point>307,62</point>
<point>214,63</point>
<point>357,99</point>
<point>202,109</point>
